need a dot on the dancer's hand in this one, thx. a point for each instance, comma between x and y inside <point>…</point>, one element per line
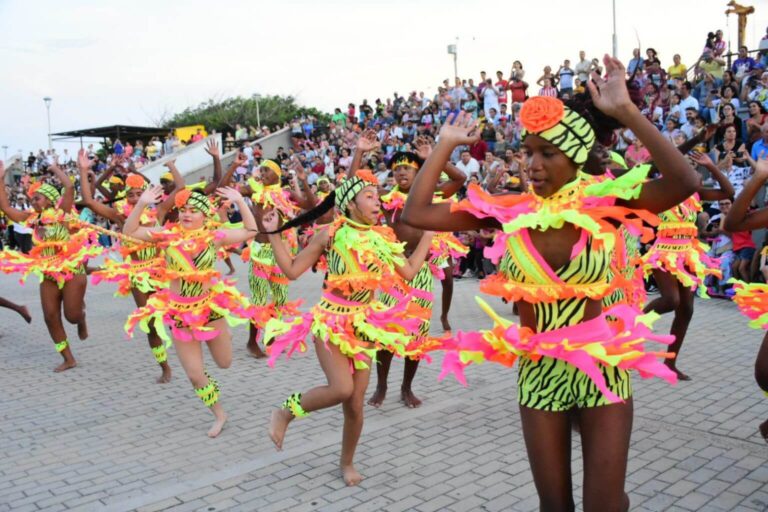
<point>701,159</point>
<point>230,194</point>
<point>610,94</point>
<point>170,164</point>
<point>460,129</point>
<point>152,195</point>
<point>212,148</point>
<point>423,147</point>
<point>83,162</point>
<point>240,159</point>
<point>270,221</point>
<point>368,141</point>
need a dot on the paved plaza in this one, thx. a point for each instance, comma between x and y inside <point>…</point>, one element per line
<point>104,436</point>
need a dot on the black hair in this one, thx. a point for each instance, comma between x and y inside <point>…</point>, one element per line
<point>309,216</point>
<point>602,124</point>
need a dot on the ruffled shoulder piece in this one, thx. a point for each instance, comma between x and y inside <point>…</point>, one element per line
<point>272,196</point>
<point>395,199</point>
<point>47,216</point>
<point>148,216</point>
<point>371,254</point>
<point>585,202</point>
<point>192,241</point>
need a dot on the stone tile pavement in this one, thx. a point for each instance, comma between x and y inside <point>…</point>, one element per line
<point>104,436</point>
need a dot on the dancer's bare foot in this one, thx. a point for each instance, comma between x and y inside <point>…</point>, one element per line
<point>378,397</point>
<point>231,271</point>
<point>446,324</point>
<point>680,375</point>
<point>82,329</point>
<point>409,399</point>
<point>764,430</point>
<point>24,312</point>
<point>66,365</point>
<point>255,350</point>
<point>217,426</point>
<point>350,475</point>
<point>165,377</point>
<point>278,425</point>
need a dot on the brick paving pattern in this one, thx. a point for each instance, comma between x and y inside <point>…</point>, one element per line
<point>104,436</point>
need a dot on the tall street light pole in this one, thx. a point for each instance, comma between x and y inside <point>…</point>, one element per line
<point>258,117</point>
<point>453,50</point>
<point>48,101</point>
<point>615,38</point>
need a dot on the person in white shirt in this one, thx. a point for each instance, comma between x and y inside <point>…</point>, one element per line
<point>467,164</point>
<point>583,68</point>
<point>686,100</point>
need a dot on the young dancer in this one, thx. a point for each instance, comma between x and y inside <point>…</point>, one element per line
<point>348,324</point>
<point>140,269</point>
<point>404,166</point>
<point>679,261</point>
<point>198,305</point>
<point>58,257</point>
<point>555,249</point>
<point>751,297</point>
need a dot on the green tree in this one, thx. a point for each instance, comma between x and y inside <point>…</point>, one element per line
<point>223,115</point>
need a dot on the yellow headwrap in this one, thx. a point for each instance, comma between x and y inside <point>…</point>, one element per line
<point>271,164</point>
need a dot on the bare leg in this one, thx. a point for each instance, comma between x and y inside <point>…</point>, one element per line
<point>51,299</point>
<point>140,299</point>
<point>228,262</point>
<point>683,315</point>
<point>447,296</point>
<point>605,433</point>
<point>353,427</point>
<point>22,310</point>
<point>761,376</point>
<point>191,357</point>
<point>74,303</point>
<point>673,297</point>
<point>548,443</point>
<point>253,345</point>
<point>406,393</point>
<point>383,362</point>
<point>340,387</point>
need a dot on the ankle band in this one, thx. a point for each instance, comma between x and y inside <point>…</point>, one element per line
<point>61,346</point>
<point>293,404</point>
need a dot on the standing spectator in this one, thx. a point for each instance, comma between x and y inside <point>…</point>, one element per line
<point>501,86</point>
<point>566,74</point>
<point>635,65</point>
<point>490,98</point>
<point>518,89</point>
<point>548,89</point>
<point>583,68</point>
<point>653,69</point>
<point>745,66</point>
<point>198,136</point>
<point>339,118</point>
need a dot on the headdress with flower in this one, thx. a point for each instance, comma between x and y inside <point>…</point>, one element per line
<point>46,190</point>
<point>136,181</point>
<point>195,198</point>
<point>551,120</point>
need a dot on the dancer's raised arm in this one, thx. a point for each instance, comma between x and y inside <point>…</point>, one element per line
<point>294,267</point>
<point>14,214</point>
<point>739,218</point>
<point>678,180</point>
<point>68,192</point>
<point>132,226</point>
<point>419,210</point>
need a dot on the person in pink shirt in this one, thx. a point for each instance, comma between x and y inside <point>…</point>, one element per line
<point>636,154</point>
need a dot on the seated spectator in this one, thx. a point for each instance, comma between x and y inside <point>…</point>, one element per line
<point>726,116</point>
<point>745,66</point>
<point>721,247</point>
<point>760,146</point>
<point>758,116</point>
<point>678,70</point>
<point>636,154</point>
<point>548,89</point>
<point>468,165</point>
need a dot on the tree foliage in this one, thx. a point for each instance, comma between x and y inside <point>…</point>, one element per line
<point>223,115</point>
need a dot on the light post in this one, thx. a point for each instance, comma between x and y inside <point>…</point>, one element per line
<point>615,38</point>
<point>258,117</point>
<point>48,101</point>
<point>453,50</point>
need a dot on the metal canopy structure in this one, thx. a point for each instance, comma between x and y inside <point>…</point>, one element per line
<point>118,131</point>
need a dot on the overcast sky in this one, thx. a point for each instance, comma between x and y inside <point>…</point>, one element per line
<point>107,62</point>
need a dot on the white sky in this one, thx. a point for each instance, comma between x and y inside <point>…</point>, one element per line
<point>106,62</point>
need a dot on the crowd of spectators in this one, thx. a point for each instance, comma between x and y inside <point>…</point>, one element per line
<point>680,100</point>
